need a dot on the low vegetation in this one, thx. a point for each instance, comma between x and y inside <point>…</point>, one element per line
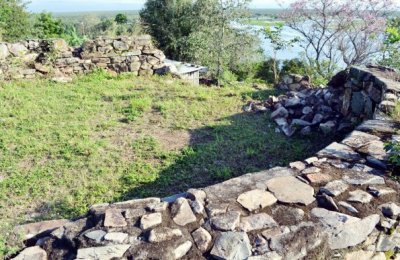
<point>100,138</point>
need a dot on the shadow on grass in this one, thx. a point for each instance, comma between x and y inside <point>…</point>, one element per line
<point>242,143</point>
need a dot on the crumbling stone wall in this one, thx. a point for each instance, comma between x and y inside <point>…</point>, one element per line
<point>36,58</point>
<point>351,97</point>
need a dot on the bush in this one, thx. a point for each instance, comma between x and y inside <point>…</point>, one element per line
<point>394,149</point>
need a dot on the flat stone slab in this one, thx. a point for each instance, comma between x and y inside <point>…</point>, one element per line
<point>256,199</point>
<point>379,126</point>
<point>318,178</point>
<point>114,218</point>
<point>331,218</point>
<point>102,253</point>
<point>181,250</point>
<point>202,238</point>
<point>359,196</point>
<point>291,190</point>
<point>33,229</point>
<point>32,253</point>
<point>257,222</point>
<point>334,188</point>
<point>161,234</point>
<point>376,149</point>
<point>116,237</point>
<point>232,246</point>
<point>358,139</point>
<point>230,190</point>
<point>390,210</point>
<point>343,230</point>
<point>348,207</point>
<point>367,255</point>
<point>339,151</point>
<point>362,178</point>
<point>227,221</point>
<point>96,235</point>
<point>380,191</point>
<point>182,212</point>
<point>150,220</point>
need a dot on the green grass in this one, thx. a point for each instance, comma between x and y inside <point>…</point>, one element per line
<point>100,139</point>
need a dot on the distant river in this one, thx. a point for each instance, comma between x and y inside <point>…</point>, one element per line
<point>286,54</point>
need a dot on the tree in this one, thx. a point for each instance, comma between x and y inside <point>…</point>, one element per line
<point>334,31</point>
<point>121,19</point>
<point>170,23</point>
<point>278,43</point>
<point>202,31</point>
<point>391,48</point>
<point>46,26</point>
<point>14,20</point>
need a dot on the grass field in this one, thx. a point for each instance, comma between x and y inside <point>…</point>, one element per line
<point>100,139</point>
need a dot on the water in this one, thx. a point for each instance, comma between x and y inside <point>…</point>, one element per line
<point>296,51</point>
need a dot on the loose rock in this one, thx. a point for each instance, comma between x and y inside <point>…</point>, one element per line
<point>182,213</point>
<point>161,234</point>
<point>150,220</point>
<point>256,199</point>
<point>232,245</point>
<point>202,239</point>
<point>290,190</point>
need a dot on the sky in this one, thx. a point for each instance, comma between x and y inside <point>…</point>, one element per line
<point>110,5</point>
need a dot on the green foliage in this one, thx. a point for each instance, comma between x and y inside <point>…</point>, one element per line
<point>394,149</point>
<point>72,36</point>
<point>170,23</point>
<point>202,32</point>
<point>46,26</point>
<point>121,19</point>
<point>14,20</point>
<point>391,49</point>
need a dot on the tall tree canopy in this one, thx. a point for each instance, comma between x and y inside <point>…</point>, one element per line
<point>14,20</point>
<point>203,31</point>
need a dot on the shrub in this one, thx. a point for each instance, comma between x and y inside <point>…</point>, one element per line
<point>394,150</point>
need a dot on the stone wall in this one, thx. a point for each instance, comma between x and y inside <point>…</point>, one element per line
<point>340,204</point>
<point>350,97</point>
<point>36,58</point>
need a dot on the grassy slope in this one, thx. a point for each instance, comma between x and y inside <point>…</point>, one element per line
<point>100,139</point>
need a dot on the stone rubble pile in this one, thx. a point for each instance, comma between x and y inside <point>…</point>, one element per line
<point>35,58</point>
<point>336,205</point>
<point>350,98</point>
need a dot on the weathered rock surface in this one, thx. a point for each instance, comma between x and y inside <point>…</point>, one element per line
<point>102,253</point>
<point>202,238</point>
<point>343,230</point>
<point>182,212</point>
<point>359,196</point>
<point>227,221</point>
<point>163,234</point>
<point>232,246</point>
<point>150,220</point>
<point>257,222</point>
<point>32,253</point>
<point>299,192</point>
<point>256,199</point>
